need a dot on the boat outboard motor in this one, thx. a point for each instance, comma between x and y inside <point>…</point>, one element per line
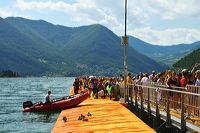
<point>27,104</point>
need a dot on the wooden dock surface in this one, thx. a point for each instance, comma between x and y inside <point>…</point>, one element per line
<point>106,116</point>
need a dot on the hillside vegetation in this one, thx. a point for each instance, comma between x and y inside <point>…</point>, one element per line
<point>189,61</point>
<point>36,47</point>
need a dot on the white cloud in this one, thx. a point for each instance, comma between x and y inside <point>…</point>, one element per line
<point>40,5</point>
<point>171,9</point>
<point>107,12</point>
<point>82,11</point>
<point>168,36</point>
<point>8,12</point>
<point>142,16</point>
<point>5,13</point>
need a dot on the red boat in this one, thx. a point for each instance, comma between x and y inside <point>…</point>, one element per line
<point>56,104</point>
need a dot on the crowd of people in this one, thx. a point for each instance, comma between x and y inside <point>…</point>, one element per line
<point>170,78</point>
<point>113,87</point>
<point>183,81</point>
<point>98,87</point>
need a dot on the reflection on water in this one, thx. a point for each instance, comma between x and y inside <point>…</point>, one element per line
<point>40,117</point>
<point>14,91</point>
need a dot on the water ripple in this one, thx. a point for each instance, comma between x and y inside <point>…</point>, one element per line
<point>14,91</point>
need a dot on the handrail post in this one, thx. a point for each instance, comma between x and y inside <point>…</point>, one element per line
<point>157,109</point>
<point>148,104</point>
<point>168,121</point>
<point>131,95</point>
<point>125,93</point>
<point>136,93</point>
<point>129,98</point>
<point>183,121</point>
<point>141,101</point>
<point>128,95</point>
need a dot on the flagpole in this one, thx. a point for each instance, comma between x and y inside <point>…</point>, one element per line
<point>125,43</point>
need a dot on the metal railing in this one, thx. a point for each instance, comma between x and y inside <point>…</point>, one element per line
<point>184,103</point>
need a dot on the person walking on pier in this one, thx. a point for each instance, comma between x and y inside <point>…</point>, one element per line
<point>76,86</point>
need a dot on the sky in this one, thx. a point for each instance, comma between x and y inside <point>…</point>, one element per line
<point>161,22</point>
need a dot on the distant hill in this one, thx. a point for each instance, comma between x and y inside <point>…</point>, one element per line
<point>163,54</point>
<point>8,73</point>
<point>188,61</point>
<point>36,47</point>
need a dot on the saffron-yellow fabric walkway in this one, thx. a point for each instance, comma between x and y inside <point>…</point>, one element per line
<point>107,116</point>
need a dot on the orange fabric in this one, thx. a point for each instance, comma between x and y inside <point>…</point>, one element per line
<point>107,116</point>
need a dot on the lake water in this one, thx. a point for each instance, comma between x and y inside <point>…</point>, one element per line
<point>14,91</point>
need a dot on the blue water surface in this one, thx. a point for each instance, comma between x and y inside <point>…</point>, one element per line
<point>14,91</point>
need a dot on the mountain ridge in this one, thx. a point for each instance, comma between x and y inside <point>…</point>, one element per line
<point>36,47</point>
<point>163,54</point>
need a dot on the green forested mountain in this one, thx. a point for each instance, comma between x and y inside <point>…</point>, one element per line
<point>36,47</point>
<point>23,50</point>
<point>163,54</point>
<point>188,61</point>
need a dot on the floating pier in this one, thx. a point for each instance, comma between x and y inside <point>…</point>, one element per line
<point>101,115</point>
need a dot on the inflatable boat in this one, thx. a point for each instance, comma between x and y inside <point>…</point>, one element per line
<point>56,104</point>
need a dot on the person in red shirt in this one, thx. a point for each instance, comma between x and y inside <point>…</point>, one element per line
<point>183,83</point>
<point>184,80</point>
